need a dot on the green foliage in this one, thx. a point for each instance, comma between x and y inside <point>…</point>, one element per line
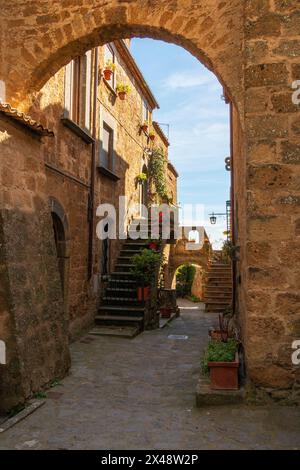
<point>40,395</point>
<point>217,351</point>
<point>109,65</point>
<point>55,383</point>
<point>193,298</point>
<point>141,177</point>
<point>157,172</point>
<point>122,88</point>
<point>144,266</point>
<point>184,279</point>
<point>15,410</point>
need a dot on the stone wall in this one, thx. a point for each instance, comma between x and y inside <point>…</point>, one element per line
<point>32,315</point>
<point>272,134</point>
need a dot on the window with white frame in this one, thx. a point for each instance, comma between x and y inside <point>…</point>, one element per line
<point>78,78</point>
<point>107,148</point>
<point>108,130</point>
<point>145,111</point>
<point>109,56</point>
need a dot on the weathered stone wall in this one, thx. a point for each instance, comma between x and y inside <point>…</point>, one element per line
<point>272,48</point>
<point>32,316</point>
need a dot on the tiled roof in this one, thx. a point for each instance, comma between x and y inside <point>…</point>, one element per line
<point>25,120</point>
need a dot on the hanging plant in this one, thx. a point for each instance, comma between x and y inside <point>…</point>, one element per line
<point>157,172</point>
<point>141,178</point>
<point>152,136</point>
<point>123,90</point>
<point>144,126</point>
<point>109,69</point>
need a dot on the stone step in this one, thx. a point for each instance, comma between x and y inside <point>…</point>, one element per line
<point>124,268</point>
<point>121,274</point>
<point>119,320</point>
<point>218,288</point>
<point>215,302</point>
<point>120,301</point>
<point>111,330</point>
<point>121,310</point>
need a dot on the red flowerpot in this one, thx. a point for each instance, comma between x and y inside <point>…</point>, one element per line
<point>152,137</point>
<point>146,292</point>
<point>219,335</point>
<point>165,312</point>
<point>142,293</point>
<point>107,73</point>
<point>153,246</point>
<point>122,95</point>
<point>224,375</point>
<point>144,128</point>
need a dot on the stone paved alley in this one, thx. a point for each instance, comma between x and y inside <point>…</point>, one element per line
<point>110,402</point>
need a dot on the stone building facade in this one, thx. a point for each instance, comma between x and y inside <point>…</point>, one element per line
<point>253,48</point>
<point>119,148</point>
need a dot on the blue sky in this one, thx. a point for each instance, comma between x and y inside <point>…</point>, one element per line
<point>190,102</point>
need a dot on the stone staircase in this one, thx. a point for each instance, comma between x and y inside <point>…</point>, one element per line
<point>120,310</point>
<point>218,287</point>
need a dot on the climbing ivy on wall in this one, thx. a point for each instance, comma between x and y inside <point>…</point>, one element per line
<point>157,172</point>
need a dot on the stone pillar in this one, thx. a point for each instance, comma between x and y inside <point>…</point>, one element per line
<point>32,318</point>
<point>272,248</point>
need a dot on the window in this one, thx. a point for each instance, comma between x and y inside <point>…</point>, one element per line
<point>78,78</point>
<point>107,148</point>
<point>109,55</point>
<point>145,111</point>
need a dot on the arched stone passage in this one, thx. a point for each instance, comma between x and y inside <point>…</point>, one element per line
<point>38,38</point>
<point>253,47</point>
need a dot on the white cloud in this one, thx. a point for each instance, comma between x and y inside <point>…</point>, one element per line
<point>187,79</point>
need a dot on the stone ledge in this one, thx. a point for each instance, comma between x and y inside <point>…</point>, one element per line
<point>205,396</point>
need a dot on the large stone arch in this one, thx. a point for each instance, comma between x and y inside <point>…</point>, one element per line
<point>253,48</point>
<point>45,35</point>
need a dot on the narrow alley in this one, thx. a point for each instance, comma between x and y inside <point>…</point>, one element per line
<point>140,394</point>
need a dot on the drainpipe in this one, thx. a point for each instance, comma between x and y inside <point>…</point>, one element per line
<point>232,199</point>
<point>93,170</point>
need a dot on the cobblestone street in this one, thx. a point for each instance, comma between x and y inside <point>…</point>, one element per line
<point>140,394</point>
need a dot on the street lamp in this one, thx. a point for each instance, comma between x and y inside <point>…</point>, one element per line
<point>213,219</point>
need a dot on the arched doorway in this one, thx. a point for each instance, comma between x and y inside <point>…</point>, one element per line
<point>144,188</point>
<point>61,239</point>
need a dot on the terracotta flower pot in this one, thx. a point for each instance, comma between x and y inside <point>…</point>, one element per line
<point>165,312</point>
<point>146,292</point>
<point>144,128</point>
<point>152,137</point>
<point>122,95</point>
<point>107,73</point>
<point>142,293</point>
<point>224,375</point>
<point>153,246</point>
<point>218,335</point>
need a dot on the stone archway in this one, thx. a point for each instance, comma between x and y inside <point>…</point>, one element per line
<point>62,240</point>
<point>210,30</point>
<point>253,49</point>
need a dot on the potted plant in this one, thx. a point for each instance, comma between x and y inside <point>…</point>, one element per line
<point>144,126</point>
<point>141,178</point>
<point>152,136</point>
<point>222,333</point>
<point>222,362</point>
<point>123,90</point>
<point>143,268</point>
<point>154,244</point>
<point>109,69</point>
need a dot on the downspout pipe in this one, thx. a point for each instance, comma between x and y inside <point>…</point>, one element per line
<point>232,198</point>
<point>93,168</point>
